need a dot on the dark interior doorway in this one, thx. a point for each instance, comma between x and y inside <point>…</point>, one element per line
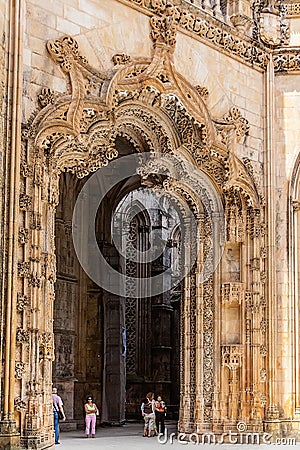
<point>116,349</point>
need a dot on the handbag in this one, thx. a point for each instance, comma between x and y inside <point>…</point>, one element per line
<point>60,415</point>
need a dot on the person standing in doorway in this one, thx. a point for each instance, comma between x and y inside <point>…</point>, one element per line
<point>91,412</point>
<point>58,411</point>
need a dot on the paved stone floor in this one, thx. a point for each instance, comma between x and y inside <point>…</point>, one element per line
<point>130,437</point>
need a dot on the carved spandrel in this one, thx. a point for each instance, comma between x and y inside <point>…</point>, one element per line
<point>233,121</point>
<point>209,29</point>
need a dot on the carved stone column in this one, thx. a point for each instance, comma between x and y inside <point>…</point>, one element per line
<point>199,415</point>
<point>185,424</point>
<point>9,428</point>
<point>258,342</point>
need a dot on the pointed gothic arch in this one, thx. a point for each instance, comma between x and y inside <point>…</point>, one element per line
<point>155,109</point>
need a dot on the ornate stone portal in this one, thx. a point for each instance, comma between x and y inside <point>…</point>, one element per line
<point>223,325</point>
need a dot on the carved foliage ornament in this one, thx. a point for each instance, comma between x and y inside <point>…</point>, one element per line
<point>20,405</point>
<point>46,97</point>
<point>24,269</point>
<point>19,370</point>
<point>46,346</point>
<point>22,335</point>
<point>25,201</point>
<point>233,121</point>
<point>163,30</point>
<point>22,302</point>
<point>23,235</point>
<point>286,60</point>
<point>65,52</point>
<point>121,58</point>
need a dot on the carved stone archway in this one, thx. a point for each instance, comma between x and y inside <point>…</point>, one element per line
<point>155,108</point>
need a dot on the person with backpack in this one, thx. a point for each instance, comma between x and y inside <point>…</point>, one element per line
<point>58,412</point>
<point>148,413</point>
<point>160,412</point>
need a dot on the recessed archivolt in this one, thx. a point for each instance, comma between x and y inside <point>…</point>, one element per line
<point>146,101</point>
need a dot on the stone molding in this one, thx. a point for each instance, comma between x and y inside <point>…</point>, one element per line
<point>286,61</point>
<point>206,28</point>
<point>292,9</point>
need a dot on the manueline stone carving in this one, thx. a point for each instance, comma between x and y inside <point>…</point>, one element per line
<point>141,103</point>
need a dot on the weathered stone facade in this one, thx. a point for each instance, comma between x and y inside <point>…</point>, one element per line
<point>215,83</point>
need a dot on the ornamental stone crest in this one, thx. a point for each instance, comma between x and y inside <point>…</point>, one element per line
<point>76,131</point>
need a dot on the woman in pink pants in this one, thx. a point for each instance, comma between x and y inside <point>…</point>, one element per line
<point>91,412</point>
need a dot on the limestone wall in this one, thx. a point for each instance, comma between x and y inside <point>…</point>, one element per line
<point>286,150</point>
